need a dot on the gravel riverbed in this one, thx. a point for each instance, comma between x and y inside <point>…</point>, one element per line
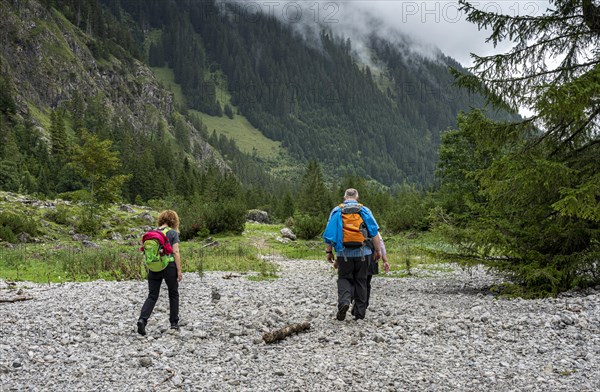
<point>438,332</point>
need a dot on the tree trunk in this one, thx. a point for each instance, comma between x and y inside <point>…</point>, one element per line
<point>591,16</point>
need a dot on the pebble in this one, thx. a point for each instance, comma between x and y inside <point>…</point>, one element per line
<point>145,362</point>
<point>437,332</point>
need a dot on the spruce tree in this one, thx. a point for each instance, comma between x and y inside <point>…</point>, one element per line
<point>58,135</point>
<point>535,198</point>
<point>314,197</point>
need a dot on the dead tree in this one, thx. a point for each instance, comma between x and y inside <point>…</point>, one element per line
<point>16,299</point>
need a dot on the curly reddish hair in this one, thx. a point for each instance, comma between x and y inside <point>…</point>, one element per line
<point>170,218</point>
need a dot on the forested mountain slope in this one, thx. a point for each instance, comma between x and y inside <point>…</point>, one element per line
<point>312,95</point>
<point>88,62</point>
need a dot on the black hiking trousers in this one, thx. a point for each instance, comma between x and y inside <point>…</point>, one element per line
<point>155,279</point>
<point>352,283</point>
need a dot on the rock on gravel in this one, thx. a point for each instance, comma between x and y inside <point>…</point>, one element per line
<point>439,333</point>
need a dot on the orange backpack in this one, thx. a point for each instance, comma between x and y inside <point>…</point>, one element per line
<point>353,226</point>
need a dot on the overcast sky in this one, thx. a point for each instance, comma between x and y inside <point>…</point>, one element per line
<point>441,24</point>
<point>429,22</point>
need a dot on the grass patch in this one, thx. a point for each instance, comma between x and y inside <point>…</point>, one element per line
<point>567,372</point>
<point>41,116</point>
<point>57,264</point>
<point>262,278</point>
<point>62,259</point>
<point>166,76</point>
<point>232,256</point>
<point>248,139</point>
<point>42,263</point>
<point>411,252</point>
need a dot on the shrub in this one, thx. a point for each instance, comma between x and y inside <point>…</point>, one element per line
<point>76,196</point>
<point>88,224</point>
<point>202,219</point>
<point>228,111</point>
<point>308,227</point>
<point>59,215</point>
<point>228,216</point>
<point>11,225</point>
<point>7,235</point>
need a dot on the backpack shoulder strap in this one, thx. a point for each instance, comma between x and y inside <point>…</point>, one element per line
<point>351,208</point>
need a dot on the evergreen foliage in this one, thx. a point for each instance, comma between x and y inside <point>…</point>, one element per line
<point>526,194</point>
<point>314,203</point>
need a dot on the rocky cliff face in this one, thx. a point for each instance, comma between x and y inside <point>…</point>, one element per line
<point>48,61</point>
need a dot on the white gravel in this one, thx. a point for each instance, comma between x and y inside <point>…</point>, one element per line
<point>421,334</point>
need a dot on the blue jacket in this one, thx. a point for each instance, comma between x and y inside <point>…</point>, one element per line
<point>333,234</point>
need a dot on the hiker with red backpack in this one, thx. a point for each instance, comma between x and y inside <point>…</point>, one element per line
<point>161,252</point>
<point>349,226</point>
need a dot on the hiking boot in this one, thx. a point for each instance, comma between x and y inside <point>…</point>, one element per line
<point>141,327</point>
<point>341,314</point>
<point>175,326</point>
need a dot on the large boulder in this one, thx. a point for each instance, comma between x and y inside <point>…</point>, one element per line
<point>258,216</point>
<point>286,232</point>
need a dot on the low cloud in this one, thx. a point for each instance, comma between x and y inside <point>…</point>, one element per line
<point>424,25</point>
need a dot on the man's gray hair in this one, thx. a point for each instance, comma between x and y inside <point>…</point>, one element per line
<point>351,193</point>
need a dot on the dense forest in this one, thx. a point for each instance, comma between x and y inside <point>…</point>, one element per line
<point>293,91</point>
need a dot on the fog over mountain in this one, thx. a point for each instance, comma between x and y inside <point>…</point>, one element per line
<point>427,26</point>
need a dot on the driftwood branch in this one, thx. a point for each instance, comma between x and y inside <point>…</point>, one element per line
<point>231,275</point>
<point>16,299</point>
<point>270,337</point>
<point>170,376</point>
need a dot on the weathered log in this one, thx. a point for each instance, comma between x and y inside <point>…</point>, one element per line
<point>16,299</point>
<point>270,337</point>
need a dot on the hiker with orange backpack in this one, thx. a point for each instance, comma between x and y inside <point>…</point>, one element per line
<point>349,226</point>
<point>161,251</point>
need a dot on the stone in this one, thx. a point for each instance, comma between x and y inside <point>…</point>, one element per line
<point>89,244</point>
<point>432,339</point>
<point>25,237</point>
<point>258,216</point>
<point>286,232</point>
<point>145,361</point>
<point>378,339</point>
<point>146,217</point>
<point>79,237</point>
<point>126,208</point>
